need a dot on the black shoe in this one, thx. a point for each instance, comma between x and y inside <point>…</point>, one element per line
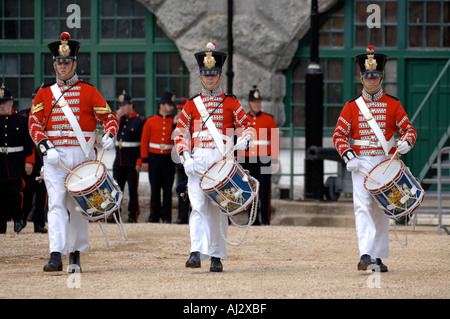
<point>74,263</point>
<point>40,229</point>
<point>55,263</point>
<point>216,265</point>
<point>194,260</point>
<point>379,263</point>
<point>19,225</point>
<point>364,262</point>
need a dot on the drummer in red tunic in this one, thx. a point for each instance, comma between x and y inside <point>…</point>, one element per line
<point>198,151</point>
<point>63,128</point>
<point>369,148</point>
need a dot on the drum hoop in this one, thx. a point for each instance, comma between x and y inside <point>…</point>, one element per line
<point>221,183</point>
<point>384,186</point>
<point>92,187</point>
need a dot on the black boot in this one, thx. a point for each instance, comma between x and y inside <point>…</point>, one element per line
<point>74,262</point>
<point>55,263</point>
<point>379,263</point>
<point>216,265</point>
<point>194,260</point>
<point>19,225</point>
<point>364,262</point>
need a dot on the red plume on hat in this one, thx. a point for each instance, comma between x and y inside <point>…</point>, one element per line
<point>370,49</point>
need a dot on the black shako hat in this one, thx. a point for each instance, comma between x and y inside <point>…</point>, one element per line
<point>65,50</point>
<point>210,62</point>
<point>254,94</point>
<point>124,98</point>
<point>167,97</point>
<point>371,64</point>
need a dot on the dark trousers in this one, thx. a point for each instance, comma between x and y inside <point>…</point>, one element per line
<point>259,171</point>
<point>161,173</point>
<point>11,199</point>
<point>183,201</point>
<point>128,174</point>
<point>35,199</point>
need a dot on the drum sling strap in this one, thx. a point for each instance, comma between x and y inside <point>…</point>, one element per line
<point>85,146</point>
<point>373,124</point>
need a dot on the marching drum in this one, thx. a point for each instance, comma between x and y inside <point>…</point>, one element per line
<point>396,190</point>
<point>96,192</point>
<point>229,187</point>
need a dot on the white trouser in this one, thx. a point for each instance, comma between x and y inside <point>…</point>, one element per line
<point>372,224</point>
<point>206,218</point>
<point>62,215</point>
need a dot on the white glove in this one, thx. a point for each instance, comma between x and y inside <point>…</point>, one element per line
<point>403,147</point>
<point>107,141</point>
<point>242,142</point>
<point>189,166</point>
<point>353,165</point>
<point>52,156</point>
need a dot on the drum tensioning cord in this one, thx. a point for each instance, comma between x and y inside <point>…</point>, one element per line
<point>251,219</point>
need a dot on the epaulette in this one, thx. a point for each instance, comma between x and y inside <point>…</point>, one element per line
<point>392,96</point>
<point>190,99</point>
<point>48,84</point>
<point>231,95</point>
<point>354,99</point>
<point>85,82</point>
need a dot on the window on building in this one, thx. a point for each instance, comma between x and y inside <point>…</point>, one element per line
<point>428,24</point>
<point>331,33</point>
<point>123,19</point>
<point>383,36</point>
<point>57,14</point>
<point>17,72</point>
<point>16,19</point>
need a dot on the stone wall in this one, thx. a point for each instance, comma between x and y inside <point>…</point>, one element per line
<point>265,33</point>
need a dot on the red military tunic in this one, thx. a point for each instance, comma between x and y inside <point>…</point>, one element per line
<point>87,105</point>
<point>266,134</point>
<point>156,136</point>
<point>389,115</point>
<point>228,113</point>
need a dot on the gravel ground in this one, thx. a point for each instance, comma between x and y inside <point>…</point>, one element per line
<point>275,262</point>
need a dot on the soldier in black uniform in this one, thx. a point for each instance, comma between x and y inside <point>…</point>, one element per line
<point>16,160</point>
<point>35,190</point>
<point>183,198</point>
<point>127,163</point>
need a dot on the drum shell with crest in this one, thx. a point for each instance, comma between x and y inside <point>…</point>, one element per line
<point>97,193</point>
<point>395,189</point>
<point>229,187</point>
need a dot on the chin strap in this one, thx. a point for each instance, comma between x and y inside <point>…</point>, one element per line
<point>211,87</point>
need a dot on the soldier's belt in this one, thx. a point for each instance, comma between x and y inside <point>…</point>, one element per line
<point>208,135</point>
<point>121,144</point>
<point>161,146</point>
<point>374,143</point>
<point>261,142</point>
<point>68,134</point>
<point>7,149</point>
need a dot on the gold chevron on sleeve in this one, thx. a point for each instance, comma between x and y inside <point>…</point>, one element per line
<point>102,109</point>
<point>37,108</point>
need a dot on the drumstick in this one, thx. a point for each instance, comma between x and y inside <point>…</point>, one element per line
<point>369,176</point>
<point>101,155</point>
<point>226,160</point>
<point>396,151</point>
<point>204,175</point>
<point>68,169</point>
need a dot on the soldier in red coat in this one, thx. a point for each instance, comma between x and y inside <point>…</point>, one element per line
<point>156,148</point>
<point>368,149</point>
<point>262,153</point>
<point>197,150</point>
<point>62,124</point>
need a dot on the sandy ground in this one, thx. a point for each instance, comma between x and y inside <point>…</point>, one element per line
<point>275,262</point>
